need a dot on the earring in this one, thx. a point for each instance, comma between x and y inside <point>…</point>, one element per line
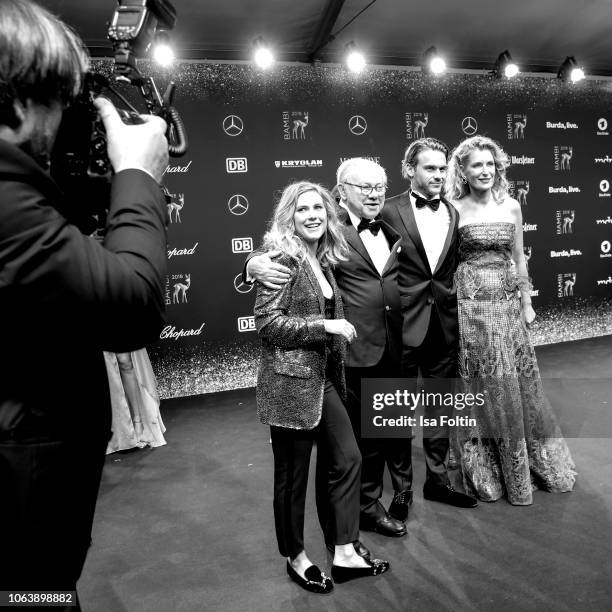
<point>463,179</point>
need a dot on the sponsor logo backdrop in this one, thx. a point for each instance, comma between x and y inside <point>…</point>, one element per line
<point>252,133</point>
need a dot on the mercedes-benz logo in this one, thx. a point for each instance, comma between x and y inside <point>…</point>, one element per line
<point>238,204</point>
<point>241,286</point>
<point>469,125</point>
<point>358,125</point>
<point>233,125</point>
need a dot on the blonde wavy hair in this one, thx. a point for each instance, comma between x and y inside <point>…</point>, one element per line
<point>456,188</point>
<point>281,234</point>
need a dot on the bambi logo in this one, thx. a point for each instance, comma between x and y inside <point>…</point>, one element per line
<point>565,284</point>
<point>179,295</point>
<point>233,125</point>
<point>527,253</point>
<point>469,125</point>
<point>175,205</point>
<point>562,157</point>
<point>515,126</point>
<point>238,204</point>
<point>602,127</point>
<point>357,125</point>
<point>298,122</point>
<point>420,125</point>
<point>565,221</point>
<point>522,189</point>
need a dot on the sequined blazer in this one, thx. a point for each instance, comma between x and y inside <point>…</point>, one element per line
<point>292,367</point>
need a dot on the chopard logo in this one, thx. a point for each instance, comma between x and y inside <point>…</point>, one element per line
<point>172,253</point>
<point>174,169</point>
<point>170,333</point>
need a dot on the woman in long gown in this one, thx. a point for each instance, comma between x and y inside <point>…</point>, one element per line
<point>516,444</point>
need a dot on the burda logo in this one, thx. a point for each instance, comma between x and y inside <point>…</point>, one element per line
<point>295,124</point>
<point>607,281</point>
<point>246,324</point>
<point>605,249</point>
<point>298,163</point>
<point>242,245</point>
<point>565,253</point>
<point>178,169</point>
<point>523,160</point>
<point>561,125</point>
<point>170,333</point>
<point>415,125</point>
<point>605,221</point>
<point>602,127</point>
<point>177,201</point>
<point>562,156</point>
<point>563,190</point>
<point>515,126</point>
<point>604,188</point>
<point>565,284</point>
<point>174,252</point>
<point>530,227</point>
<point>236,165</point>
<point>565,221</point>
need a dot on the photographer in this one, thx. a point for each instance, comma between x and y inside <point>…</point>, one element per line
<point>64,299</point>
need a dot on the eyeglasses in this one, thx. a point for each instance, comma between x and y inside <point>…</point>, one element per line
<point>368,189</point>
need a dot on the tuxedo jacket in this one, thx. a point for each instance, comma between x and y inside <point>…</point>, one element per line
<point>371,300</point>
<point>294,348</point>
<point>64,298</point>
<point>421,289</point>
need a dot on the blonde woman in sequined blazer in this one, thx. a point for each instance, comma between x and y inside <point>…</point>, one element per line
<point>301,389</point>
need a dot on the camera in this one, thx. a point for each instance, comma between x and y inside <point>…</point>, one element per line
<point>79,161</point>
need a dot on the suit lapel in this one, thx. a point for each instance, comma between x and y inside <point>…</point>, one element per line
<point>394,239</point>
<point>407,215</point>
<point>315,284</point>
<point>352,237</point>
<point>449,236</point>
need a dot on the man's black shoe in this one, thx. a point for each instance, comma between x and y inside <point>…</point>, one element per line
<point>375,567</point>
<point>400,505</point>
<point>384,524</point>
<point>314,579</point>
<point>447,495</point>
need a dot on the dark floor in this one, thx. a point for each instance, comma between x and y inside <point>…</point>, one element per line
<point>189,526</point>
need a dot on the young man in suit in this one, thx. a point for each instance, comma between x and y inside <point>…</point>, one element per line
<point>368,284</point>
<point>427,263</point>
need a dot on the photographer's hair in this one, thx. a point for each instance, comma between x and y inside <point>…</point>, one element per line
<point>348,164</point>
<point>456,187</point>
<point>42,59</point>
<point>414,148</point>
<point>281,233</point>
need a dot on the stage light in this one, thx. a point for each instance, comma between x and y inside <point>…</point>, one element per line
<point>432,62</point>
<point>504,66</point>
<point>163,53</point>
<point>262,55</point>
<point>355,60</point>
<point>569,71</point>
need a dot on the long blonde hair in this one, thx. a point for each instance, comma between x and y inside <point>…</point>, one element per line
<point>281,235</point>
<point>456,188</point>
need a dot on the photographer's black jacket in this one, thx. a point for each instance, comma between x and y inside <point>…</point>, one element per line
<point>64,298</point>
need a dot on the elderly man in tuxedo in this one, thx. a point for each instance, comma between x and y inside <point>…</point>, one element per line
<point>368,284</point>
<point>427,263</point>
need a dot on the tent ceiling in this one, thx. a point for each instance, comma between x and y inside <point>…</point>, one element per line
<point>471,34</point>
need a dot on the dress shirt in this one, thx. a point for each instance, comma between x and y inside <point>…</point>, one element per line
<point>433,228</point>
<point>376,246</point>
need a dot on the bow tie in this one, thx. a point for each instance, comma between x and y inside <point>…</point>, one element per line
<point>370,224</point>
<point>421,202</point>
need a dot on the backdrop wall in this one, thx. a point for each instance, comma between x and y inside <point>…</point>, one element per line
<point>251,133</point>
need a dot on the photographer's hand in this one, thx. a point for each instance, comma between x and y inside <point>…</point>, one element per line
<point>143,147</point>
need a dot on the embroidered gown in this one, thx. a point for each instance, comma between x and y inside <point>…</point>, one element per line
<point>516,443</point>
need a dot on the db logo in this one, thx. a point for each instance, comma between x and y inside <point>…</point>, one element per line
<point>602,124</point>
<point>246,324</point>
<point>604,186</point>
<point>605,246</point>
<point>242,245</point>
<point>235,165</point>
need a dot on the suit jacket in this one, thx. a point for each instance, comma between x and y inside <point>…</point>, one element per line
<point>64,298</point>
<point>292,367</point>
<point>422,290</point>
<point>371,301</point>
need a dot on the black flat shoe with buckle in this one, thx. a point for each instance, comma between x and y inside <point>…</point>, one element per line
<point>314,579</point>
<point>375,567</point>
